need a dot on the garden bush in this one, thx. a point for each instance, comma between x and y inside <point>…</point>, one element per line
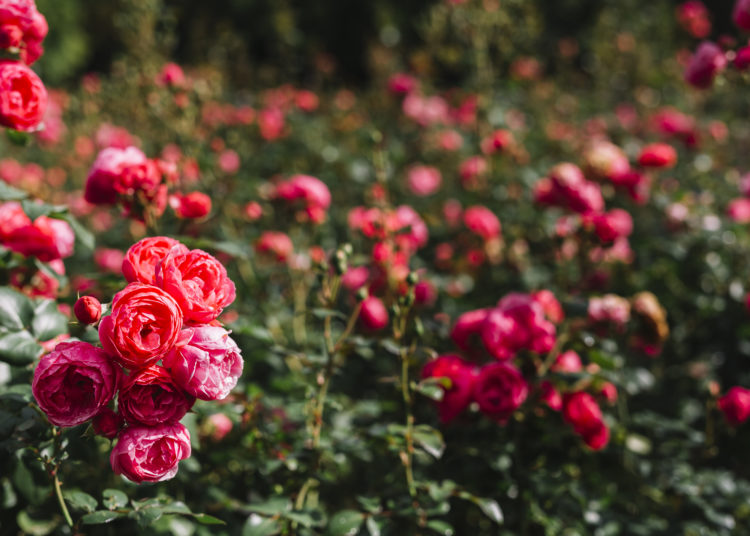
<point>501,288</point>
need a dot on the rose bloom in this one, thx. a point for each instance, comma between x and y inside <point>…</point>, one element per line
<point>497,142</point>
<point>373,314</point>
<point>499,390</point>
<point>424,180</point>
<point>141,259</point>
<point>151,397</point>
<point>741,14</point>
<point>609,226</point>
<point>110,163</point>
<point>550,395</point>
<point>739,210</point>
<point>609,309</point>
<point>551,307</point>
<point>735,405</point>
<point>144,325</point>
<point>518,322</point>
<point>461,375</point>
<point>107,423</point>
<point>217,426</point>
<point>22,27</point>
<point>466,332</point>
<point>74,382</point>
<point>12,217</point>
<point>658,155</point>
<point>23,97</point>
<point>705,64</point>
<point>205,362</point>
<point>276,243</point>
<point>582,412</point>
<point>481,221</point>
<point>193,206</point>
<point>198,282</point>
<point>150,454</point>
<point>567,363</point>
<point>47,239</point>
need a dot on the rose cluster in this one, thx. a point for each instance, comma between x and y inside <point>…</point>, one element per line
<point>162,347</point>
<point>23,97</point>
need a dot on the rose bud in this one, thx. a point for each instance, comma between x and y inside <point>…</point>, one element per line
<point>198,282</point>
<point>74,382</point>
<point>373,314</point>
<point>499,390</point>
<point>658,155</point>
<point>150,454</point>
<point>735,405</point>
<point>144,325</point>
<point>461,375</point>
<point>705,64</point>
<point>141,259</point>
<point>88,310</point>
<point>217,426</point>
<point>205,362</point>
<point>741,14</point>
<point>192,206</point>
<point>551,307</point>
<point>24,97</point>
<point>107,423</point>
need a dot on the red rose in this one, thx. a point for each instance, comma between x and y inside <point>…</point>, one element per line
<point>582,412</point>
<point>612,225</point>
<point>481,221</point>
<point>198,282</point>
<point>741,14</point>
<point>47,239</point>
<point>705,64</point>
<point>151,397</point>
<point>191,206</point>
<point>461,375</point>
<point>146,454</point>
<point>659,155</point>
<point>23,97</point>
<point>467,330</point>
<point>104,174</point>
<point>499,390</point>
<point>12,217</point>
<point>22,27</point>
<point>88,310</point>
<point>735,405</point>
<point>74,382</point>
<point>143,256</point>
<point>144,325</point>
<point>205,362</point>
<point>107,423</point>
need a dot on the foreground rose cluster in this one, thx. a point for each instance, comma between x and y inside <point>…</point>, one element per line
<point>162,347</point>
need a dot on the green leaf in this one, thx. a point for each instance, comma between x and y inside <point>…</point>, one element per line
<point>18,348</point>
<point>102,516</point>
<point>260,526</point>
<point>176,508</point>
<point>16,310</point>
<point>17,137</point>
<point>146,516</point>
<point>35,527</point>
<point>441,527</point>
<point>205,519</point>
<point>48,321</point>
<point>432,388</point>
<point>114,499</point>
<point>8,193</point>
<point>372,526</point>
<point>490,507</point>
<point>345,523</point>
<point>80,500</point>
<point>273,506</point>
<point>442,491</point>
<point>34,209</point>
<point>430,439</point>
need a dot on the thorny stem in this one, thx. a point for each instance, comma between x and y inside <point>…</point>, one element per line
<point>409,435</point>
<point>57,434</point>
<point>61,500</point>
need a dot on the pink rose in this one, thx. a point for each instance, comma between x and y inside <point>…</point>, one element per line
<point>467,330</point>
<point>609,226</point>
<point>23,97</point>
<point>424,180</point>
<point>705,64</point>
<point>146,454</point>
<point>482,221</point>
<point>658,155</point>
<point>205,362</point>
<point>151,397</point>
<point>499,390</point>
<point>22,27</point>
<point>74,382</point>
<point>461,375</point>
<point>276,243</point>
<point>582,412</point>
<point>567,363</point>
<point>47,239</point>
<point>192,206</point>
<point>373,315</point>
<point>550,395</point>
<point>141,259</point>
<point>741,14</point>
<point>144,325</point>
<point>518,322</point>
<point>606,160</point>
<point>735,405</point>
<point>101,184</point>
<point>198,282</point>
<point>609,309</point>
<point>12,217</point>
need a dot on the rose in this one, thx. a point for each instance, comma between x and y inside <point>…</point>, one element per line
<point>467,330</point>
<point>191,206</point>
<point>141,259</point>
<point>88,310</point>
<point>276,243</point>
<point>658,155</point>
<point>23,97</point>
<point>104,174</point>
<point>705,64</point>
<point>144,325</point>
<point>151,397</point>
<point>499,390</point>
<point>150,454</point>
<point>612,225</point>
<point>107,423</point>
<point>741,14</point>
<point>735,405</point>
<point>424,180</point>
<point>12,217</point>
<point>373,314</point>
<point>567,363</point>
<point>46,238</point>
<point>481,221</point>
<point>518,322</point>
<point>22,27</point>
<point>582,412</point>
<point>197,281</point>
<point>205,362</point>
<point>461,376</point>
<point>74,382</point>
